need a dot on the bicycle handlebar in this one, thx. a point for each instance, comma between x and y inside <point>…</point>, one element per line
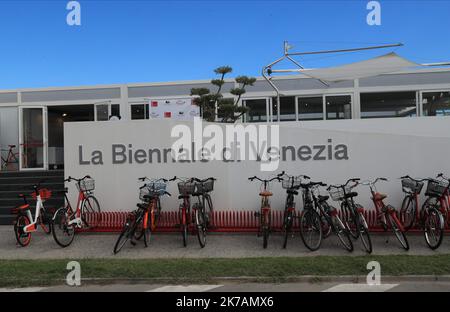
<point>69,179</point>
<point>204,180</point>
<point>265,180</point>
<point>416,180</point>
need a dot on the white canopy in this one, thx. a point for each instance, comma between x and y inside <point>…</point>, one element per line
<point>384,64</point>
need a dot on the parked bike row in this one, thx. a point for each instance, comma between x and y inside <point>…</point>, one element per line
<point>317,220</point>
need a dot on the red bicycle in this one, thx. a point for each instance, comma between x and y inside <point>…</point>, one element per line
<point>87,212</point>
<point>186,188</point>
<point>386,214</point>
<point>409,213</point>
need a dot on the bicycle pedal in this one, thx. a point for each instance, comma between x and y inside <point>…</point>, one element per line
<point>133,243</point>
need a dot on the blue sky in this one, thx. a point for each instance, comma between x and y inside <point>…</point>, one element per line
<point>150,41</point>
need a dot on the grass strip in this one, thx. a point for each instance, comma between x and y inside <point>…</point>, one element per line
<point>21,273</point>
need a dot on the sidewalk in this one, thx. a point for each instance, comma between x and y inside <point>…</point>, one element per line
<point>218,246</point>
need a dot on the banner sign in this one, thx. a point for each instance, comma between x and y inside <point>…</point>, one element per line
<point>176,109</point>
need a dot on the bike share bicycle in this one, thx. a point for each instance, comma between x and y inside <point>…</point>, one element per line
<point>291,184</point>
<point>12,158</point>
<point>386,214</point>
<point>25,224</point>
<point>352,213</point>
<point>319,219</point>
<point>144,220</point>
<point>265,214</point>
<point>86,215</point>
<point>435,210</point>
<point>202,215</point>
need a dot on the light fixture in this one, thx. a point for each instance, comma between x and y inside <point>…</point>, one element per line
<point>64,114</point>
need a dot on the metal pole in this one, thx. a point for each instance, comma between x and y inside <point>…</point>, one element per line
<point>349,50</point>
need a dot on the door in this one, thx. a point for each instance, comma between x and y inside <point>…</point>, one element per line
<point>102,111</point>
<point>33,138</point>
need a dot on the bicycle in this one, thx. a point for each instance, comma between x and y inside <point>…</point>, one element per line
<point>435,210</point>
<point>201,216</point>
<point>186,188</point>
<point>87,212</point>
<point>321,218</point>
<point>25,224</point>
<point>409,212</point>
<point>352,213</point>
<point>264,214</point>
<point>291,184</point>
<point>386,214</point>
<point>11,158</point>
<point>144,220</point>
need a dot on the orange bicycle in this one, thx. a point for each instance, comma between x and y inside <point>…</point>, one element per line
<point>264,215</point>
<point>143,221</point>
<point>12,158</point>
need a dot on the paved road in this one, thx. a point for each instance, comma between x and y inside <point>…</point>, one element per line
<point>392,286</point>
<point>218,245</point>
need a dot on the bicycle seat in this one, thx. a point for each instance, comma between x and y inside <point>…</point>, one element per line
<point>292,192</point>
<point>23,207</point>
<point>197,194</point>
<point>22,195</point>
<point>142,206</point>
<point>351,194</point>
<point>182,196</point>
<point>266,194</point>
<point>323,198</point>
<point>379,196</point>
<point>11,146</point>
<point>434,195</point>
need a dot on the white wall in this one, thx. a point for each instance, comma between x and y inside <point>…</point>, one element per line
<point>381,153</point>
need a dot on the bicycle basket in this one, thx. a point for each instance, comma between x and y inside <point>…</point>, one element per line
<point>186,188</point>
<point>44,193</point>
<point>411,186</point>
<point>337,193</point>
<point>206,186</point>
<point>291,183</point>
<point>86,185</point>
<point>157,188</point>
<point>436,188</point>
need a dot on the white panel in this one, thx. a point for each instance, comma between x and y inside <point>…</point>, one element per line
<point>372,152</point>
<point>9,126</point>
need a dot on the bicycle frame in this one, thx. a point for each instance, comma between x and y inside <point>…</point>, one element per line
<point>380,207</point>
<point>32,227</point>
<point>77,213</point>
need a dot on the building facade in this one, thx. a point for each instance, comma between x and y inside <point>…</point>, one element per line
<point>32,119</point>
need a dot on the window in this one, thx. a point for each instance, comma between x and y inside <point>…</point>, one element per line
<point>102,112</point>
<point>139,111</point>
<point>287,108</point>
<point>436,103</point>
<point>391,104</point>
<point>310,108</point>
<point>339,107</point>
<point>258,110</point>
<point>115,110</point>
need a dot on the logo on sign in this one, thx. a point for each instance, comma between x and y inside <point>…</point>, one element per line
<point>154,104</point>
<point>167,114</point>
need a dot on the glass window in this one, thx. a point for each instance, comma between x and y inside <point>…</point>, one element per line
<point>339,107</point>
<point>436,103</point>
<point>287,108</point>
<point>115,110</point>
<point>139,111</point>
<point>258,110</point>
<point>310,108</point>
<point>391,104</point>
<point>102,112</point>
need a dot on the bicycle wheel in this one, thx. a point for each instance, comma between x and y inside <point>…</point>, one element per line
<point>200,223</point>
<point>45,222</point>
<point>265,227</point>
<point>63,232</point>
<point>184,226</point>
<point>90,212</point>
<point>342,233</point>
<point>396,228</point>
<point>23,239</point>
<point>287,225</point>
<point>363,230</point>
<point>209,211</point>
<point>350,220</point>
<point>408,212</point>
<point>127,232</point>
<point>433,227</point>
<point>311,229</point>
